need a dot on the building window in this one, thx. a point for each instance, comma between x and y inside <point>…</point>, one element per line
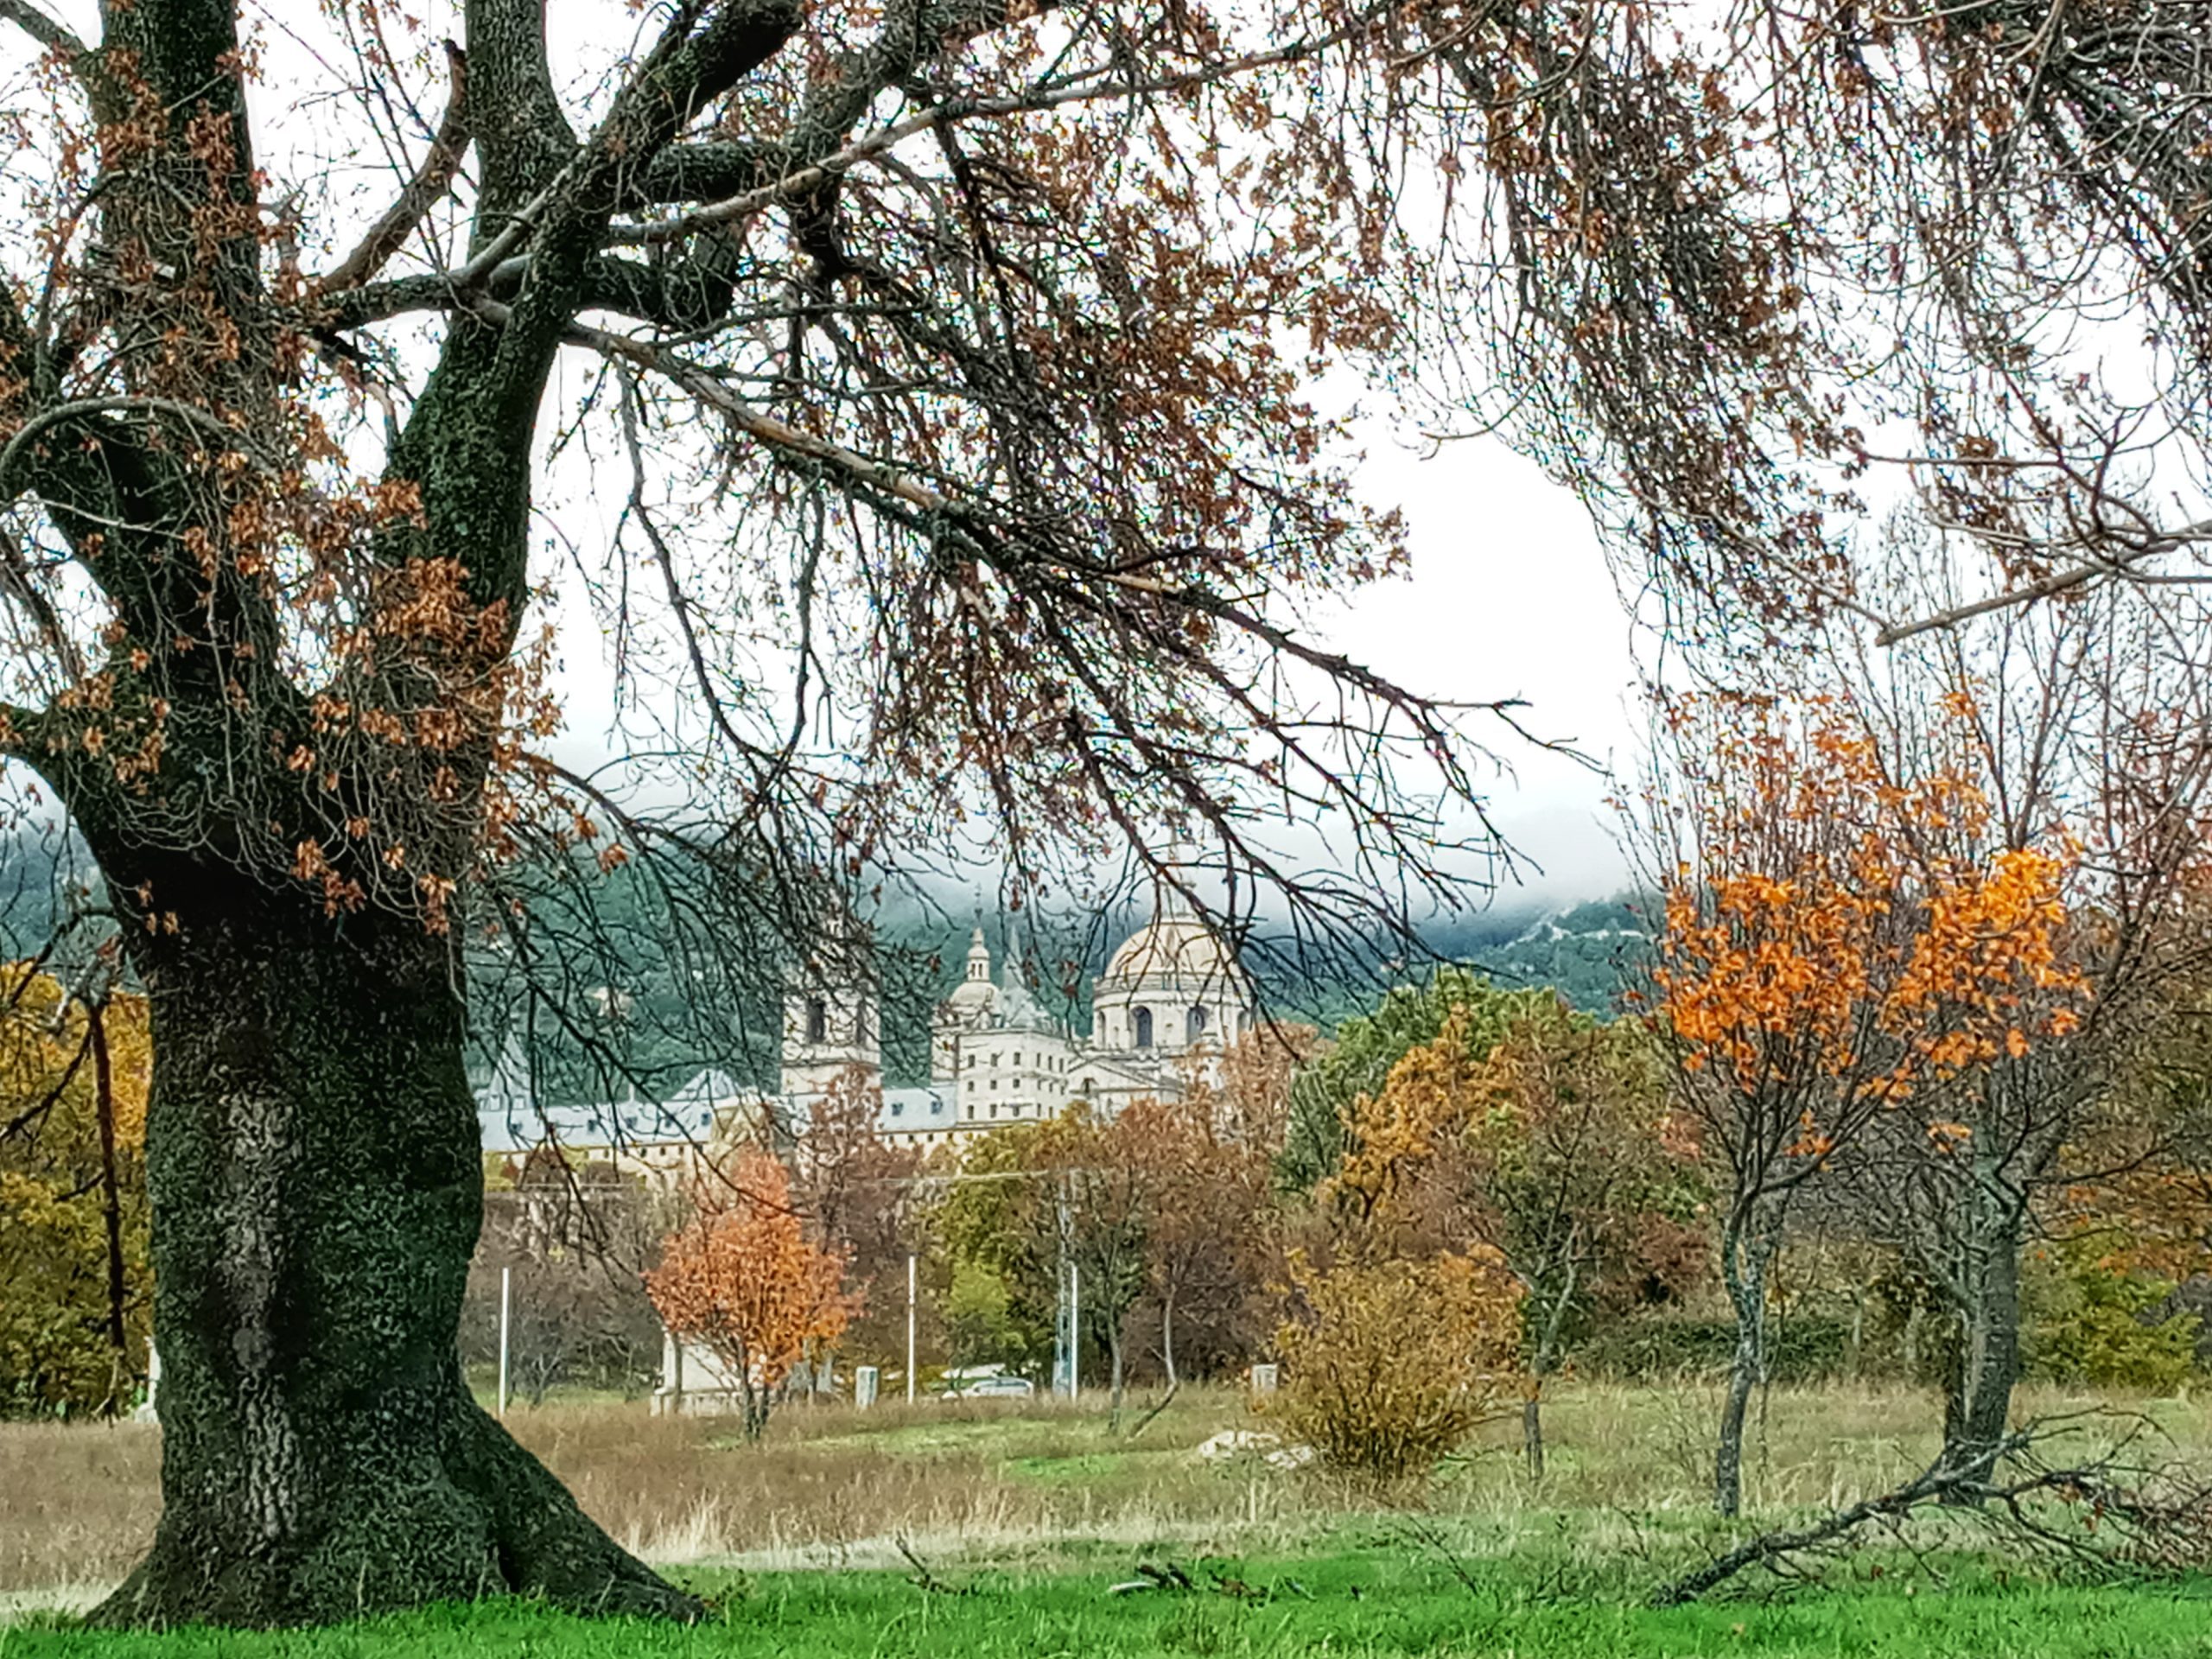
<point>1144,1029</point>
<point>971,1109</point>
<point>1099,1026</point>
<point>818,1020</point>
<point>898,1109</point>
<point>1195,1025</point>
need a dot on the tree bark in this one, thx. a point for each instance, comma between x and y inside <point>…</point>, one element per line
<point>1980,1406</point>
<point>1744,1250</point>
<point>1532,1426</point>
<point>1114,1355</point>
<point>1167,1337</point>
<point>316,1182</point>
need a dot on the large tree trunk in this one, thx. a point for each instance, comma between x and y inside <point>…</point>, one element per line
<point>314,1167</point>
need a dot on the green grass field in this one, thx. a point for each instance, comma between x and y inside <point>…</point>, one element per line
<point>1029,1515</point>
<point>1377,1601</point>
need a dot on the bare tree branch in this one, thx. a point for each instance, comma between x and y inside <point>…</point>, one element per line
<point>46,30</point>
<point>2119,564</point>
<point>431,181</point>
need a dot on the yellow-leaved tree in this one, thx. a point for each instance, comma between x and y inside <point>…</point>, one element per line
<point>74,1279</point>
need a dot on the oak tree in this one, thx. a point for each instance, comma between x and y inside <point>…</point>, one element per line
<point>933,363</point>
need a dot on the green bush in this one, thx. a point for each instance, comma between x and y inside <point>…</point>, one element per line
<point>2088,1322</point>
<point>1802,1349</point>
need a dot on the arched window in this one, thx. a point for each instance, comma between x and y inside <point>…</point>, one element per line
<point>818,1020</point>
<point>1144,1027</point>
<point>1194,1025</point>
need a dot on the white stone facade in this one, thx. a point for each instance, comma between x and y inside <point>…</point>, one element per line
<point>1169,999</point>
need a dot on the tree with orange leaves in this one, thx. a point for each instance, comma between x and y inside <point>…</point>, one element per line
<point>1838,939</point>
<point>744,1280</point>
<point>2075,737</point>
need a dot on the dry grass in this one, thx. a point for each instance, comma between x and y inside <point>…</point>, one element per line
<point>77,1505</point>
<point>1015,1483</point>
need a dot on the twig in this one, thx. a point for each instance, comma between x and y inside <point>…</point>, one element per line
<point>924,1579</point>
<point>431,181</point>
<point>1166,1400</point>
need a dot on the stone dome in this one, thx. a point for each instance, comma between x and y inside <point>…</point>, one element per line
<point>1180,948</point>
<point>974,996</point>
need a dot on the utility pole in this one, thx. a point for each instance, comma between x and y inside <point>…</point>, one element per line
<point>910,1329</point>
<point>507,1288</point>
<point>1062,1320</point>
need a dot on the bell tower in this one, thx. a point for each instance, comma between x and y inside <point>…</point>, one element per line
<point>832,1013</point>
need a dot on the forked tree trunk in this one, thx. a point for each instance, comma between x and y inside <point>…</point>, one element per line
<point>316,1183</point>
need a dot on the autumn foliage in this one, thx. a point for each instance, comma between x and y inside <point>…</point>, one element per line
<point>1546,1140</point>
<point>1844,933</point>
<point>1393,1363</point>
<point>744,1281</point>
<point>1831,924</point>
<point>74,1279</point>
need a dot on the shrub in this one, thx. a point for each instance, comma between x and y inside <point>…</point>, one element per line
<point>2090,1323</point>
<point>1802,1348</point>
<point>1395,1363</point>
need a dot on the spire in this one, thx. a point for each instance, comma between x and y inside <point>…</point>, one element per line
<point>1177,866</point>
<point>979,957</point>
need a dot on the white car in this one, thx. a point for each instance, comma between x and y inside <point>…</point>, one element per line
<point>1002,1387</point>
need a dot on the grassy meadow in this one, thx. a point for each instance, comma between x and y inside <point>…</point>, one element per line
<point>1025,1515</point>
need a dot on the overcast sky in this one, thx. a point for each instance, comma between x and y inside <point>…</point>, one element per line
<point>1509,595</point>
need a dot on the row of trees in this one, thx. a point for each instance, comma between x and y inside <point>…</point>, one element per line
<point>1934,932</point>
<point>1923,988</point>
